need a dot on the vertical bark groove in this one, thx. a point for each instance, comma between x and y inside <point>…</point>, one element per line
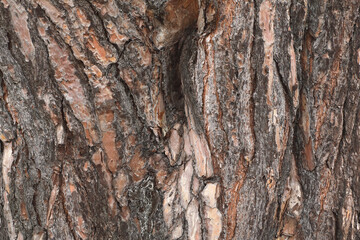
<point>179,119</point>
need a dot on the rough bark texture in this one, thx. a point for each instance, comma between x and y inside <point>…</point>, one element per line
<point>179,119</point>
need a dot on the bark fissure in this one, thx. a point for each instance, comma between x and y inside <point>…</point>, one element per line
<point>179,119</point>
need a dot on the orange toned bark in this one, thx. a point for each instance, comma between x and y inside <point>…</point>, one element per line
<point>137,166</point>
<point>234,198</point>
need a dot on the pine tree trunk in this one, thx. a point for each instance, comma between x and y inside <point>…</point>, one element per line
<point>179,119</point>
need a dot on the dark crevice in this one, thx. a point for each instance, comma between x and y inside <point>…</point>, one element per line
<point>338,233</point>
<point>187,63</point>
<point>34,203</point>
<point>10,45</point>
<point>284,86</point>
<point>172,85</point>
<point>1,150</point>
<point>253,81</point>
<point>132,100</point>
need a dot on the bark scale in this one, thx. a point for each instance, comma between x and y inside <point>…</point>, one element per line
<point>179,119</point>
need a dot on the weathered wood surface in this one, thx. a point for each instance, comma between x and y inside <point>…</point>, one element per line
<point>179,119</point>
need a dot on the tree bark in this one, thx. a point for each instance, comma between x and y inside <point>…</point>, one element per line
<point>179,119</point>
